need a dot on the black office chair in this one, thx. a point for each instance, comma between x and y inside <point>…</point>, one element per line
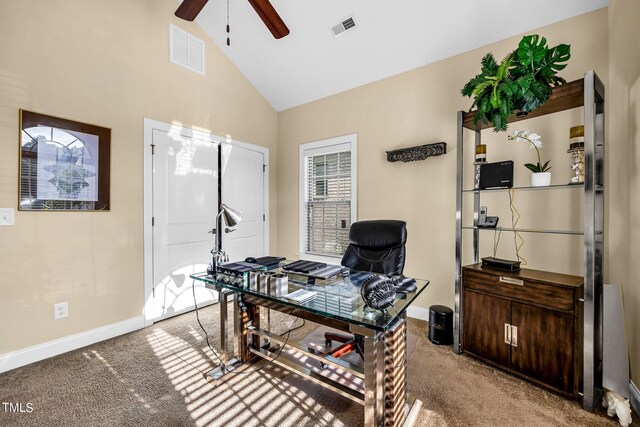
<point>379,247</point>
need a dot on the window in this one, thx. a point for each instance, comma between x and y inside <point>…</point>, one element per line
<point>327,195</point>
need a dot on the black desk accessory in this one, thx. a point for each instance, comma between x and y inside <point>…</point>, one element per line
<point>266,260</point>
<point>378,292</point>
<point>500,264</point>
<point>496,175</point>
<point>404,284</point>
<point>304,266</point>
<point>485,221</point>
<point>236,273</point>
<point>271,262</point>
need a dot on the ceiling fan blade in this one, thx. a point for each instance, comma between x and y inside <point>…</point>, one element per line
<point>270,17</point>
<point>189,9</point>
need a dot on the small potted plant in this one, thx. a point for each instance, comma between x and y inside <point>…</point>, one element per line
<point>541,177</point>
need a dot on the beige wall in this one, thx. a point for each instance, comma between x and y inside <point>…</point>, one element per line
<point>90,61</point>
<point>420,107</point>
<point>624,131</point>
<point>104,63</point>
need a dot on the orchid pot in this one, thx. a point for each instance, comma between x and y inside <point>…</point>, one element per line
<point>541,179</point>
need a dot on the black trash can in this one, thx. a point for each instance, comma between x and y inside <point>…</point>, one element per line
<point>440,325</point>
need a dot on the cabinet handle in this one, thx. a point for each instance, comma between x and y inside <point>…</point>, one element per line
<point>511,281</point>
<point>507,333</point>
<point>514,336</point>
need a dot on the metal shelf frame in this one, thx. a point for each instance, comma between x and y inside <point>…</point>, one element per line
<point>589,93</point>
<point>525,188</point>
<point>524,230</point>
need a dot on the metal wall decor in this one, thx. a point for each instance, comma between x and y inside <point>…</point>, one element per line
<point>421,152</point>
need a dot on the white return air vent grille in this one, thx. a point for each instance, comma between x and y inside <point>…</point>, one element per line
<point>186,50</point>
<point>346,24</point>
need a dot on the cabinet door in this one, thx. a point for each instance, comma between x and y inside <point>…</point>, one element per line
<point>483,329</point>
<point>544,348</point>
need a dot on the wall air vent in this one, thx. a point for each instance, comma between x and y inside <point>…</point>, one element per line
<point>346,24</point>
<point>186,50</point>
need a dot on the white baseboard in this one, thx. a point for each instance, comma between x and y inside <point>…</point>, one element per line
<point>25,356</point>
<point>420,313</point>
<point>634,397</point>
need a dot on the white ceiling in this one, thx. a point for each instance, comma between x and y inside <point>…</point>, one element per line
<point>391,37</point>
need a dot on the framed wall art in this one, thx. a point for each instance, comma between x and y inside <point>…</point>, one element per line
<point>64,164</point>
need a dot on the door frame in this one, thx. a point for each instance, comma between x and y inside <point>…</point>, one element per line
<point>149,126</point>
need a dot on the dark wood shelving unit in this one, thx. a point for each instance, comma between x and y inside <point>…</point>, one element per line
<point>587,92</point>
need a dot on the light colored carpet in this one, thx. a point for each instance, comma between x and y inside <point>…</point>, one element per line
<point>155,377</point>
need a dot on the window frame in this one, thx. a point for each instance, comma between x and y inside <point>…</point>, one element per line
<point>326,146</point>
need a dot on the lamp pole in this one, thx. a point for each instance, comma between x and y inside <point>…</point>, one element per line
<point>213,267</point>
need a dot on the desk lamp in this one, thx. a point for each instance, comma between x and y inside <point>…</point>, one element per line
<point>231,218</point>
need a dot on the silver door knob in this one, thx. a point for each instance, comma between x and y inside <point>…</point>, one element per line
<point>229,230</point>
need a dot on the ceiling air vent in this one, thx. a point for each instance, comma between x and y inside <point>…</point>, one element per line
<point>346,24</point>
<point>186,50</point>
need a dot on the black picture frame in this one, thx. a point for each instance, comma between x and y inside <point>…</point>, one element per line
<point>64,165</point>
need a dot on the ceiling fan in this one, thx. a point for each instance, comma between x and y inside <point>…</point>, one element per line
<point>189,9</point>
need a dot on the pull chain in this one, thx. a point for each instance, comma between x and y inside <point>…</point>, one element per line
<point>228,28</point>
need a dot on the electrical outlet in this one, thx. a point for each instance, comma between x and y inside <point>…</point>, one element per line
<point>6,216</point>
<point>60,310</point>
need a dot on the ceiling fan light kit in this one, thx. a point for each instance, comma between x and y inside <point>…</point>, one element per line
<point>189,10</point>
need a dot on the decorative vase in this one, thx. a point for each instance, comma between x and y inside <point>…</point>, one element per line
<point>576,150</point>
<point>541,179</point>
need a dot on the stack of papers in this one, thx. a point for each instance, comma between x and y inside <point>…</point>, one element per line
<point>300,295</point>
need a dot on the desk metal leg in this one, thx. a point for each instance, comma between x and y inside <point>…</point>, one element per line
<point>395,368</point>
<point>265,319</point>
<point>373,381</point>
<point>243,315</point>
<point>223,297</point>
<point>229,363</point>
<point>254,318</point>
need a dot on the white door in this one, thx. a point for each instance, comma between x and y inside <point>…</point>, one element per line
<point>185,203</point>
<point>243,180</point>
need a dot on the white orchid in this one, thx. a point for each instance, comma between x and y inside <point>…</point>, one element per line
<point>527,136</point>
<point>535,141</point>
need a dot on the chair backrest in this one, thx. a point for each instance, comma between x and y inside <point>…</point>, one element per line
<point>377,246</point>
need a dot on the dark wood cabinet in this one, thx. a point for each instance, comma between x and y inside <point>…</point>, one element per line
<point>484,333</point>
<point>525,322</point>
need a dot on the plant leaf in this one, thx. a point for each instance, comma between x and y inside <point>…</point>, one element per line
<point>488,65</point>
<point>499,122</point>
<point>504,67</point>
<point>533,168</point>
<point>532,49</point>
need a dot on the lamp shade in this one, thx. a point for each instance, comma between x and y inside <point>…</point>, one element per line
<point>231,216</point>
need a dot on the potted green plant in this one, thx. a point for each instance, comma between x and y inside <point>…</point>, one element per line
<point>540,177</point>
<point>522,81</point>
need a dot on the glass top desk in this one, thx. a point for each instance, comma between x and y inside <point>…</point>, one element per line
<point>380,385</point>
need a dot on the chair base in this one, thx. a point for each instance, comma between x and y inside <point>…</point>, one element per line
<point>350,343</point>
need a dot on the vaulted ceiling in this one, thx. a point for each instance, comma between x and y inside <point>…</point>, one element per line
<point>390,37</point>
